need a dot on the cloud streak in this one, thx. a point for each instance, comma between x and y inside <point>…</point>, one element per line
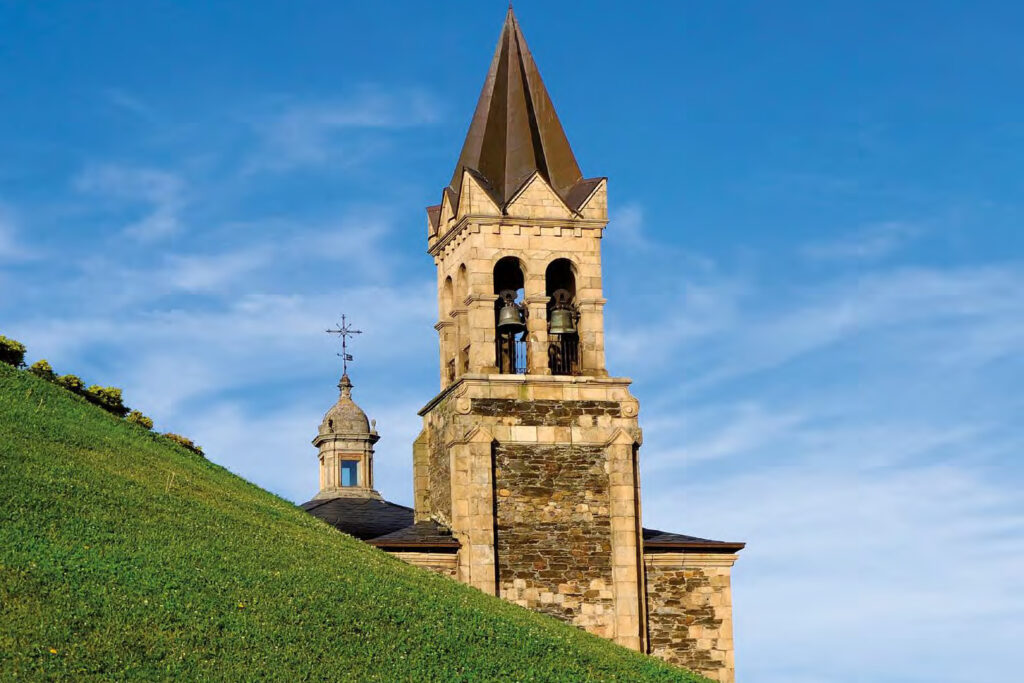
<point>12,250</point>
<point>870,243</point>
<point>161,192</point>
<point>306,134</point>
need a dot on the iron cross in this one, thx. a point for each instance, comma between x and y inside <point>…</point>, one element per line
<point>344,330</point>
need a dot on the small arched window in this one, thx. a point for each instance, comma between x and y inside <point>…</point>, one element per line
<point>461,285</point>
<point>446,298</point>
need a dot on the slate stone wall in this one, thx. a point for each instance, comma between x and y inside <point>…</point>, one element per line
<point>554,532</point>
<point>439,489</point>
<point>690,617</point>
<point>544,413</point>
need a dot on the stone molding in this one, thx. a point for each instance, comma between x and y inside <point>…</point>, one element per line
<point>347,492</point>
<point>677,559</point>
<point>471,382</point>
<point>356,439</point>
<point>441,243</point>
<point>445,564</point>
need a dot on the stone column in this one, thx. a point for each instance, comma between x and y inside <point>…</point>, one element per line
<point>444,330</point>
<point>480,322</point>
<point>591,328</point>
<point>460,337</point>
<point>537,333</point>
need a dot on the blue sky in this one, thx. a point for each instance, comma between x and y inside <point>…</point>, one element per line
<point>814,268</point>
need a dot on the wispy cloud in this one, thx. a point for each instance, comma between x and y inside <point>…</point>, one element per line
<point>833,553</point>
<point>130,103</point>
<point>869,243</point>
<point>160,192</point>
<point>277,255</point>
<point>11,247</point>
<point>626,226</point>
<point>312,133</point>
<point>723,330</point>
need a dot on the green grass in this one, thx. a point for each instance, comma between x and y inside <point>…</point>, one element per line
<point>124,556</point>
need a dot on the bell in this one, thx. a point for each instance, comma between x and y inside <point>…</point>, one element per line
<point>562,322</point>
<point>510,319</point>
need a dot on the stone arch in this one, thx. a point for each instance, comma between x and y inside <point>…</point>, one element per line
<point>523,266</point>
<point>560,274</point>
<point>509,273</point>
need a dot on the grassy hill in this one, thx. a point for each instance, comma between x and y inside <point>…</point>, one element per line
<point>122,555</point>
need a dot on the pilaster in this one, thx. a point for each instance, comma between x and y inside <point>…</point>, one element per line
<point>473,508</point>
<point>591,328</point>
<point>625,527</point>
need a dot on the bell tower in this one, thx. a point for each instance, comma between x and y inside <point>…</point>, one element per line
<point>518,228</point>
<point>529,452</point>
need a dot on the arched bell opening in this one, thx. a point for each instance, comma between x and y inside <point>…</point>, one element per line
<point>509,317</point>
<point>563,318</point>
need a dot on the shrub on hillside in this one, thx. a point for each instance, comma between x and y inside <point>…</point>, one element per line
<point>135,417</point>
<point>41,368</point>
<point>72,383</point>
<point>108,398</point>
<point>185,442</point>
<point>12,352</point>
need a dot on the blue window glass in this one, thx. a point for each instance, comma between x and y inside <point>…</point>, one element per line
<point>349,473</point>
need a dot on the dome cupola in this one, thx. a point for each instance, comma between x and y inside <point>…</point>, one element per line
<point>345,448</point>
<point>345,417</point>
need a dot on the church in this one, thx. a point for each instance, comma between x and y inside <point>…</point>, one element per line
<point>526,473</point>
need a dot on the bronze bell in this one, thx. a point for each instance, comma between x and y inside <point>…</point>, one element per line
<point>510,318</point>
<point>562,322</point>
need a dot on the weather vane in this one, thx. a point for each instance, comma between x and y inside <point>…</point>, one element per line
<point>344,330</point>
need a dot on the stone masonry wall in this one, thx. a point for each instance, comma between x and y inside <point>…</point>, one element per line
<point>690,615</point>
<point>439,472</point>
<point>439,563</point>
<point>554,532</point>
<point>544,413</point>
<point>439,487</point>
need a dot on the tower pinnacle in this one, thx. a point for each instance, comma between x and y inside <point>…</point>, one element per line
<point>515,131</point>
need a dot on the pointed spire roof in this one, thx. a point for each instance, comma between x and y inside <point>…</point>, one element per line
<point>515,130</point>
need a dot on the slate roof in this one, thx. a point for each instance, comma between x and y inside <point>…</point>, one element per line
<point>389,525</point>
<point>663,540</point>
<point>420,535</point>
<point>364,518</point>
